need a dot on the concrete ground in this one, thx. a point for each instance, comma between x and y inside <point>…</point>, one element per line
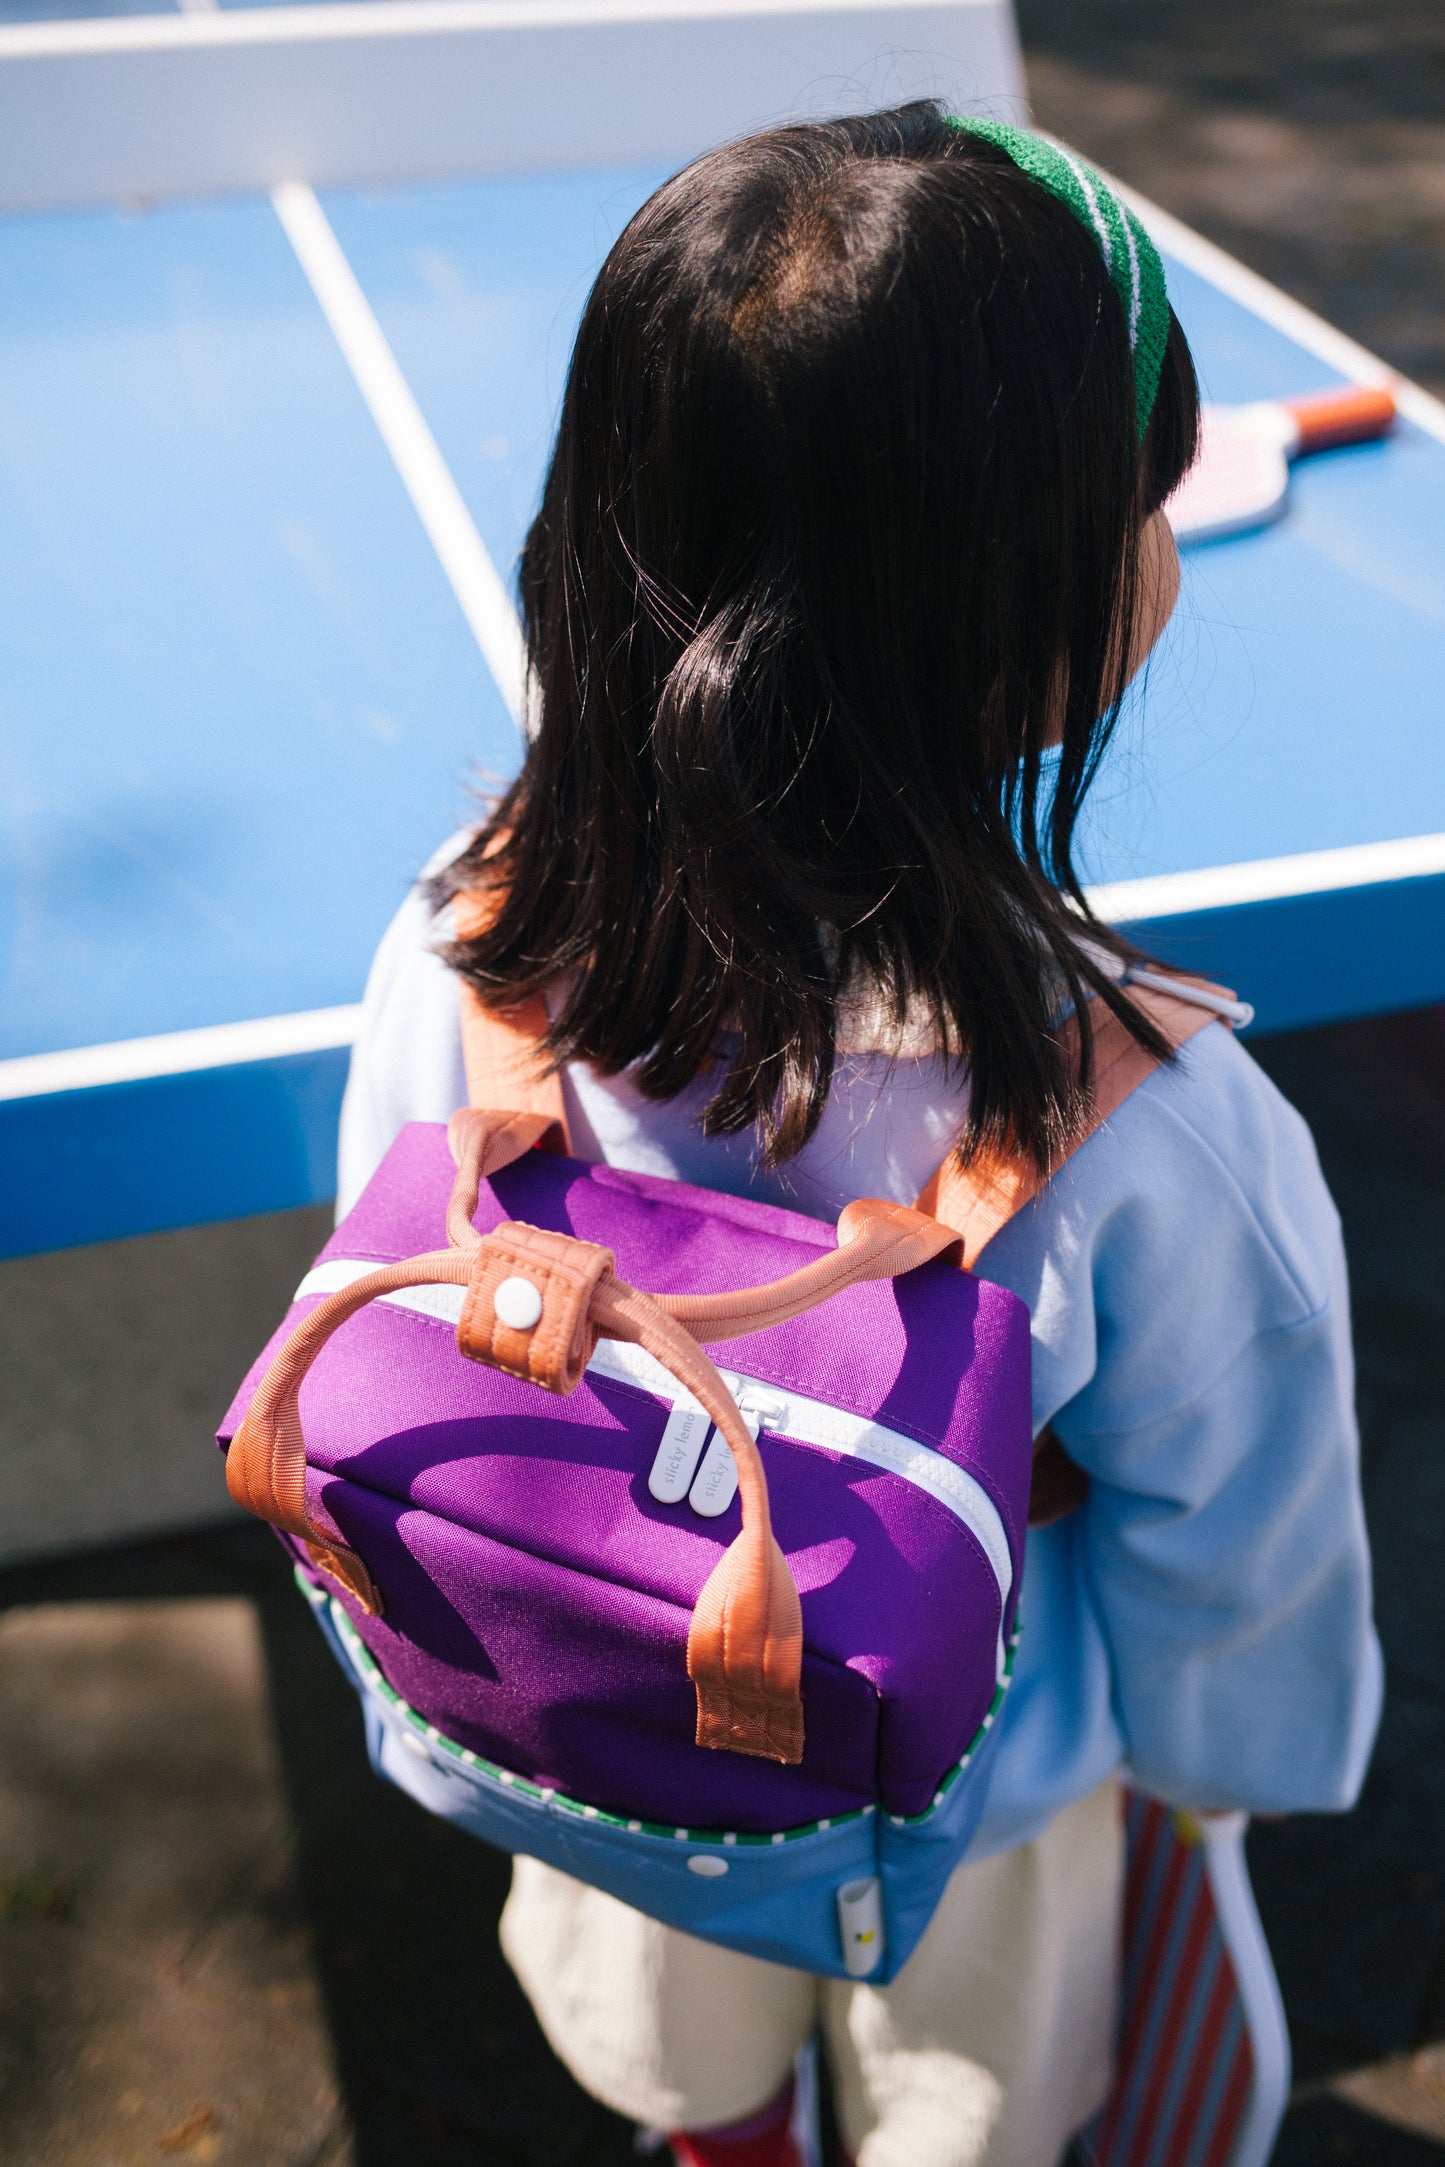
<point>220,1939</point>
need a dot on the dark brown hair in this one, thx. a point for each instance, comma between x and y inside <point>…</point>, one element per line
<point>841,530</point>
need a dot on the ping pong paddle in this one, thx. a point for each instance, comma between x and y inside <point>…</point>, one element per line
<point>1240,479</point>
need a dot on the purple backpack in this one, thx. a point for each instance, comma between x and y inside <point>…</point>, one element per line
<point>723,1632</point>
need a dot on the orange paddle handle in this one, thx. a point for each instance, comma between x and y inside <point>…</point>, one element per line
<point>1347,416</point>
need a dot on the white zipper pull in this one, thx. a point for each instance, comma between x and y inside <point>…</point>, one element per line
<point>770,1412</point>
<point>716,1484</point>
<point>677,1456</point>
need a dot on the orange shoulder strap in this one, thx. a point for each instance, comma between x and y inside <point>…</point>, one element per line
<point>499,1052</point>
<point>977,1200</point>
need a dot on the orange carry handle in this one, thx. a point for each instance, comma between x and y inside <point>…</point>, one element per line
<point>745,1641</point>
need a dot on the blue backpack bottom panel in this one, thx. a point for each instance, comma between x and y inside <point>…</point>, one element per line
<point>775,1897</point>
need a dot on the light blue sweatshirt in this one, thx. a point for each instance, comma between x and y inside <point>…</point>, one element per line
<point>1204,1620</point>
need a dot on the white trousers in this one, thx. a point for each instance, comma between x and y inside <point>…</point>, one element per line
<point>993,2044</point>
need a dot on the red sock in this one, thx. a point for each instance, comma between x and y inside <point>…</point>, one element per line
<point>763,2140</point>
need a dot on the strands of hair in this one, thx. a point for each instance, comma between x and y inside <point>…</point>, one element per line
<point>827,605</point>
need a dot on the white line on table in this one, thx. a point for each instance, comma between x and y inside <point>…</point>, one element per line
<point>450,528</point>
<point>1262,880</point>
<point>348,19</point>
<point>474,578</point>
<point>489,612</point>
<point>313,1030</point>
<point>175,1053</point>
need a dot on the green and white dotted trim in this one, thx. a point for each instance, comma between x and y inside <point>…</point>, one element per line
<point>1134,265</point>
<point>430,1739</point>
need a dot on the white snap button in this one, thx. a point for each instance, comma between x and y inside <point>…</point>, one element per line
<point>518,1304</point>
<point>706,1865</point>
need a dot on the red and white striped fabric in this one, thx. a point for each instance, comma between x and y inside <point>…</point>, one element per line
<point>1203,2068</point>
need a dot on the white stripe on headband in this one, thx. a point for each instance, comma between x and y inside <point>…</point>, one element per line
<point>1080,174</point>
<point>1135,296</point>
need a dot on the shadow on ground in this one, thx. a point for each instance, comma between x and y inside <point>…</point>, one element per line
<point>1355,1908</point>
<point>434,2052</point>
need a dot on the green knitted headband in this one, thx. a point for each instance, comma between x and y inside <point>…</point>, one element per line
<point>1130,257</point>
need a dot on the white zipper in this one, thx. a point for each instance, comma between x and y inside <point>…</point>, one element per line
<point>337,1273</point>
<point>801,1420</point>
<point>857,1437</point>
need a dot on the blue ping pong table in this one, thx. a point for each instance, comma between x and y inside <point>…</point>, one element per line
<point>256,474</point>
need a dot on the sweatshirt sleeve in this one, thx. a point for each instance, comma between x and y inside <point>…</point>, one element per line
<point>1192,1349</point>
<point>406,1063</point>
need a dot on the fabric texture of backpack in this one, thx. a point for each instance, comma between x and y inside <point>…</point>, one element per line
<point>672,1538</point>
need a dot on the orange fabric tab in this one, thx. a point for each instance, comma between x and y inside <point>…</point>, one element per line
<point>565,1274</point>
<point>745,1642</point>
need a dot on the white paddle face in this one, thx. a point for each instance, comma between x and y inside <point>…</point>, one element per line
<point>1240,479</point>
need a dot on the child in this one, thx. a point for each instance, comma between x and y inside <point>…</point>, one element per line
<point>850,543</point>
